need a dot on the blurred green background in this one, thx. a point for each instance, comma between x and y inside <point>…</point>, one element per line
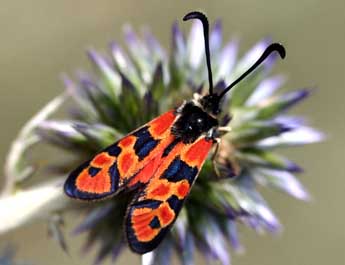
<point>41,39</point>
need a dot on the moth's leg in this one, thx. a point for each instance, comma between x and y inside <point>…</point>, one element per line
<point>214,156</point>
<point>218,166</point>
<point>215,135</point>
<point>224,129</point>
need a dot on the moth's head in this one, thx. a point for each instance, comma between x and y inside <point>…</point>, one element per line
<point>193,121</point>
<point>211,103</point>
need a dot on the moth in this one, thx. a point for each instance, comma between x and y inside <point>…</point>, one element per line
<point>159,161</point>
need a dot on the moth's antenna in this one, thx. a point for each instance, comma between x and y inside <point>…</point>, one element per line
<point>271,48</point>
<point>204,21</point>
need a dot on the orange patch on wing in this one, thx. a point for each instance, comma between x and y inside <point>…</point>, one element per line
<point>146,233</point>
<point>141,211</point>
<point>102,159</point>
<point>146,173</point>
<point>101,182</point>
<point>182,189</point>
<point>127,141</point>
<point>197,153</point>
<point>165,214</point>
<point>125,162</point>
<point>98,184</point>
<point>161,124</point>
<point>141,219</point>
<point>161,190</point>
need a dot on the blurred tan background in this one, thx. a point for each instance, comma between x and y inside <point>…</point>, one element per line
<point>41,39</point>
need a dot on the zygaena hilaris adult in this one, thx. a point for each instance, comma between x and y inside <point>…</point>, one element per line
<point>160,160</point>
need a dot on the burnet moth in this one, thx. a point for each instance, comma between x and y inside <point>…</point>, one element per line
<point>159,161</point>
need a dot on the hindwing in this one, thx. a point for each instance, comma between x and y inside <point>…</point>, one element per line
<point>155,209</point>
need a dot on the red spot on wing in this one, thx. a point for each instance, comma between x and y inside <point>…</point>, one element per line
<point>125,161</point>
<point>165,214</point>
<point>161,190</point>
<point>162,123</point>
<point>146,233</point>
<point>182,189</point>
<point>127,141</point>
<point>101,160</point>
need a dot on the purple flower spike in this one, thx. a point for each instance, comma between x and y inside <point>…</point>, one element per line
<point>227,60</point>
<point>69,84</point>
<point>181,228</point>
<point>295,97</point>
<point>196,48</point>
<point>265,89</point>
<point>232,235</point>
<point>284,127</point>
<point>104,251</point>
<point>253,54</point>
<point>292,121</point>
<point>286,182</point>
<point>271,221</point>
<point>130,37</point>
<point>135,45</point>
<point>301,136</point>
<point>216,36</point>
<point>108,72</point>
<point>217,245</point>
<point>178,40</point>
<point>116,251</point>
<point>187,253</point>
<point>92,219</point>
<point>153,45</point>
<point>97,59</point>
<point>74,89</point>
<point>294,168</point>
<point>252,222</point>
<point>119,56</point>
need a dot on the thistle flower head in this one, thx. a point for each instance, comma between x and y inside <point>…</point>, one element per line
<point>134,84</point>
